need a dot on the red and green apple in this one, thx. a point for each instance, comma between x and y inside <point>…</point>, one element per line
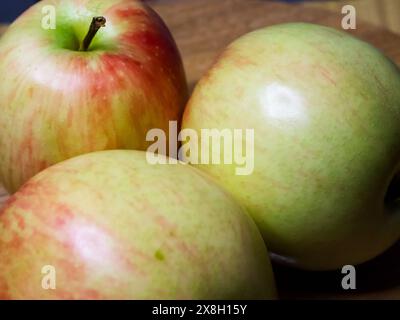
<point>112,226</point>
<point>63,94</point>
<point>325,107</point>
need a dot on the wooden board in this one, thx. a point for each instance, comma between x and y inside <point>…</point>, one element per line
<point>202,28</point>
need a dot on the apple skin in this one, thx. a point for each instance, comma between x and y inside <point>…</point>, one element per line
<point>116,227</point>
<point>325,108</point>
<point>57,102</point>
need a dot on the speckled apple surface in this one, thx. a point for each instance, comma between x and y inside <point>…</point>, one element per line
<point>57,102</point>
<point>325,107</point>
<point>115,227</point>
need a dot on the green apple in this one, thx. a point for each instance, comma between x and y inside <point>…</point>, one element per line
<point>109,225</point>
<point>325,109</point>
<point>63,94</point>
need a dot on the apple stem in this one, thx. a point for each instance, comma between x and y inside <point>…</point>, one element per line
<point>96,24</point>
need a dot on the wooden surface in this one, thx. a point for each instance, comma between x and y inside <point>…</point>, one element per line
<point>202,28</point>
<point>3,196</point>
<point>2,28</point>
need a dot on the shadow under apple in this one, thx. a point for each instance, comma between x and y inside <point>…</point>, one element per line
<point>379,274</point>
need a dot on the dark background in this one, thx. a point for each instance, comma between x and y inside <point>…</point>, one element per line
<point>10,9</point>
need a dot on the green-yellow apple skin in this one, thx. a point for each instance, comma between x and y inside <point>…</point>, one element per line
<point>57,102</point>
<point>325,109</point>
<point>115,227</point>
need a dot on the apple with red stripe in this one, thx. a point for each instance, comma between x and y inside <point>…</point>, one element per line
<point>68,91</point>
<point>108,225</point>
<point>325,109</point>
